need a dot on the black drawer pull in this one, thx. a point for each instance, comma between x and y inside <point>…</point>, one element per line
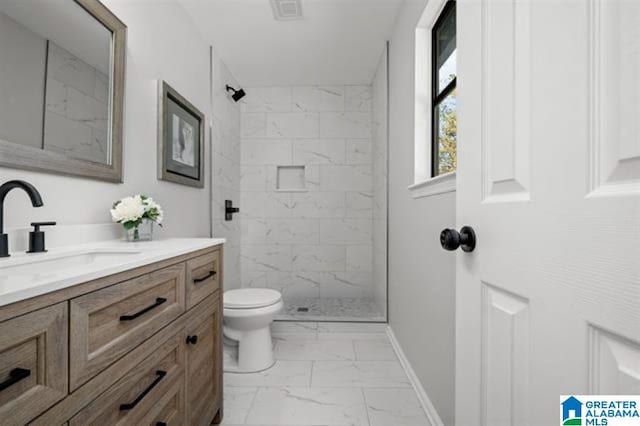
<point>159,301</point>
<point>131,405</point>
<point>206,277</point>
<point>15,376</point>
<point>161,424</point>
<point>192,340</point>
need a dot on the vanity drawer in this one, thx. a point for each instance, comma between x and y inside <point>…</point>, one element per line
<point>139,395</point>
<point>170,410</point>
<point>203,277</point>
<point>108,323</point>
<point>33,363</point>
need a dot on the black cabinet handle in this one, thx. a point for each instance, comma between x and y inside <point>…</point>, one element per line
<point>159,301</point>
<point>161,424</point>
<point>206,277</point>
<point>131,405</point>
<point>192,340</point>
<point>15,376</point>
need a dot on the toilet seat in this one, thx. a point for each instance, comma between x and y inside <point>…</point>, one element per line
<point>250,298</point>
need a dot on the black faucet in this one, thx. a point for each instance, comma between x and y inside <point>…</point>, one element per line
<point>36,201</point>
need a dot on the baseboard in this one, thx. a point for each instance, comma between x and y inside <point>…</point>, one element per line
<point>427,406</point>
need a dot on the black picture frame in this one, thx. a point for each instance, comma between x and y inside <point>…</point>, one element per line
<point>181,157</point>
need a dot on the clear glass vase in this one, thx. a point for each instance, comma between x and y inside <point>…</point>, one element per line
<point>142,232</point>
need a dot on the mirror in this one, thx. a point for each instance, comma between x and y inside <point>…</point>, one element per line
<point>61,87</point>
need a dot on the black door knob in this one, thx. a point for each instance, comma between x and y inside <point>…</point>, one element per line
<point>192,340</point>
<point>450,239</point>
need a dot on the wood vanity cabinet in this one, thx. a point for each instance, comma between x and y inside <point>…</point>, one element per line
<point>204,379</point>
<point>142,347</point>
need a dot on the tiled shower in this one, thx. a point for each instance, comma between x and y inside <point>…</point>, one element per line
<point>313,197</point>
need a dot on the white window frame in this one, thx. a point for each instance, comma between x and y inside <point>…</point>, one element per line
<point>425,185</point>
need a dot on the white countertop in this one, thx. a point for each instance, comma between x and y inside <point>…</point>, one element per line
<point>24,275</point>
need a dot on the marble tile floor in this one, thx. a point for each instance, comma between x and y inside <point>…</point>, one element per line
<point>330,374</point>
<point>331,309</point>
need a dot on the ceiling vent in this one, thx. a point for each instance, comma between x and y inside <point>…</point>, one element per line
<point>286,10</point>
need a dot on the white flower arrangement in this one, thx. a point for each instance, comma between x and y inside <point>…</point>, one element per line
<point>130,211</point>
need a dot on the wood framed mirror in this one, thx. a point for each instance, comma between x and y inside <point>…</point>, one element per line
<point>62,87</point>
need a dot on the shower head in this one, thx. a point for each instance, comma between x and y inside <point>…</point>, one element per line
<point>237,94</point>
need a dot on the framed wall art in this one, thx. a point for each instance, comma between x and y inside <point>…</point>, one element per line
<point>180,138</point>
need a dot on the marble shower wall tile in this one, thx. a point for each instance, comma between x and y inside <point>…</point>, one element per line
<point>266,204</point>
<point>345,231</point>
<point>266,151</point>
<point>226,171</point>
<point>345,178</point>
<point>251,277</point>
<point>292,284</point>
<point>267,257</point>
<point>351,284</point>
<point>359,204</point>
<point>379,152</point>
<point>318,98</point>
<point>359,258</point>
<point>318,204</point>
<point>253,125</point>
<point>292,125</point>
<point>326,129</point>
<point>359,151</point>
<point>318,258</point>
<point>345,124</point>
<point>319,151</point>
<point>281,231</point>
<point>253,178</point>
<point>358,98</point>
<point>267,99</point>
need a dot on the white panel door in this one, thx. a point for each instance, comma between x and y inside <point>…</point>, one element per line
<point>549,178</point>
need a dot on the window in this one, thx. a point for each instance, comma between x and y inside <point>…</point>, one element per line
<point>443,84</point>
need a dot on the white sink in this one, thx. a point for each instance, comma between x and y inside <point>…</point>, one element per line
<point>44,263</point>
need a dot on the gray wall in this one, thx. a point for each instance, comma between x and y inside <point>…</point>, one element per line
<point>162,44</point>
<point>421,274</point>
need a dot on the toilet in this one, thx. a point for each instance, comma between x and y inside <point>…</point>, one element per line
<point>248,314</point>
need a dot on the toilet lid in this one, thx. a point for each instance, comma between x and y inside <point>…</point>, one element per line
<point>245,298</point>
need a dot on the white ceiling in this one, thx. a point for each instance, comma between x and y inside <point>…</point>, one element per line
<point>337,42</point>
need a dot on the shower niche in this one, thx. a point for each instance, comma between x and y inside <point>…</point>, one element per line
<point>290,178</point>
